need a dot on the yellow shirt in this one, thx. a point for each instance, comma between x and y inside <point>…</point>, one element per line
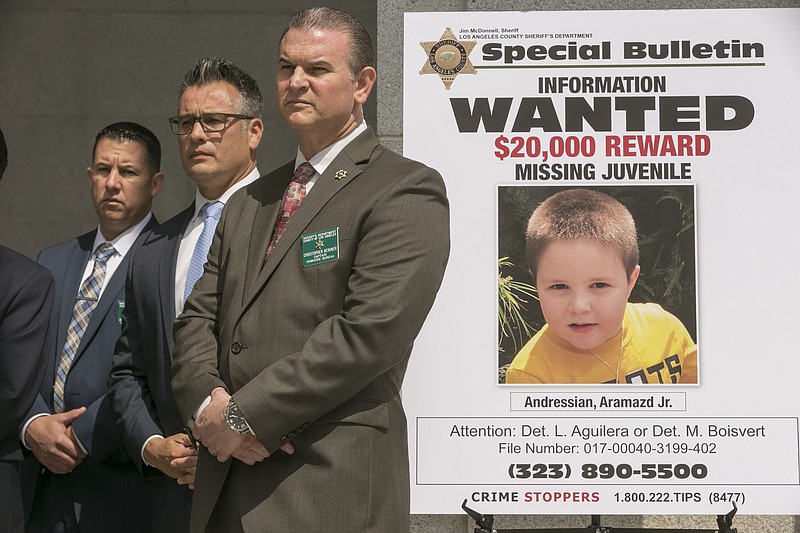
<point>653,345</point>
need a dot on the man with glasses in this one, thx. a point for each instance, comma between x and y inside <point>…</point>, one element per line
<point>301,328</point>
<point>79,473</point>
<point>218,128</point>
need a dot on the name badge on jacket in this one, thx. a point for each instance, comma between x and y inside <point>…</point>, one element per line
<point>320,247</point>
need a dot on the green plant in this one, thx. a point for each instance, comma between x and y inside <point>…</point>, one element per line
<point>512,295</point>
<point>665,223</point>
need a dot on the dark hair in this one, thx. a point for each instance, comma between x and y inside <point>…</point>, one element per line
<point>579,213</point>
<point>359,55</point>
<point>215,69</point>
<point>132,132</point>
<point>3,154</point>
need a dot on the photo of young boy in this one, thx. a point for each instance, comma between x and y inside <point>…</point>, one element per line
<point>582,253</point>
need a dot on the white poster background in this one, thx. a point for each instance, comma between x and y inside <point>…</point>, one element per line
<point>471,438</point>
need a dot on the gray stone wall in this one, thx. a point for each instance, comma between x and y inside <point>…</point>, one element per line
<point>70,67</point>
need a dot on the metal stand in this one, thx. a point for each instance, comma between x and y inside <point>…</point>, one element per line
<point>485,524</point>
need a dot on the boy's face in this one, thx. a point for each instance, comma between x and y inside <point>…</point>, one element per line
<point>583,289</point>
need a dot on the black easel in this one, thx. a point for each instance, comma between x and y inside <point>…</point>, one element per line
<point>485,524</point>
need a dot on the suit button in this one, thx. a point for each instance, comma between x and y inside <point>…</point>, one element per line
<point>236,348</point>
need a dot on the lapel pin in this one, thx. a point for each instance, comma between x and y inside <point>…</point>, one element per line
<point>340,174</point>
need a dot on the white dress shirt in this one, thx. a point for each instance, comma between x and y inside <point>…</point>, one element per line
<point>323,159</point>
<point>122,244</point>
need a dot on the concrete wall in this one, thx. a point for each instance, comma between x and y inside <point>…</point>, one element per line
<point>70,67</point>
<point>390,129</point>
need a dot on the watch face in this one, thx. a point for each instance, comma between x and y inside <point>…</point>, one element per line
<point>235,420</point>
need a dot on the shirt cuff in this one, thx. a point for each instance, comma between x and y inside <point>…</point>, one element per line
<point>25,428</point>
<point>202,406</point>
<point>151,437</point>
<point>80,444</point>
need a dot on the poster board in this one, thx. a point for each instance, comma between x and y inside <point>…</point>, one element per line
<point>689,118</point>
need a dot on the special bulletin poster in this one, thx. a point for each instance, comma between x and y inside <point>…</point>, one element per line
<point>616,332</point>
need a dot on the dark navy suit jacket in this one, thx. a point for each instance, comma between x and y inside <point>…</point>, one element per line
<point>26,297</point>
<point>139,386</point>
<point>106,487</point>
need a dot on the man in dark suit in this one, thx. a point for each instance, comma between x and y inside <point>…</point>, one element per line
<point>79,474</point>
<point>26,298</point>
<point>301,327</point>
<point>218,128</point>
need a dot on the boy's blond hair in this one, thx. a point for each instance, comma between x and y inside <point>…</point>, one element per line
<point>580,213</point>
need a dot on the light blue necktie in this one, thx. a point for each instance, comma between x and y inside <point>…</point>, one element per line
<point>212,211</point>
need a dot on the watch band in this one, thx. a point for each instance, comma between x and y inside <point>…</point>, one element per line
<point>235,420</point>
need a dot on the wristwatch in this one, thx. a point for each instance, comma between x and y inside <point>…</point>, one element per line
<point>235,419</point>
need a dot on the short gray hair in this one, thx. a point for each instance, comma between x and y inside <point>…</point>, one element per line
<point>360,54</point>
<point>214,69</point>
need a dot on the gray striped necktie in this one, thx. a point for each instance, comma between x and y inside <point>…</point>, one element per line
<point>85,302</point>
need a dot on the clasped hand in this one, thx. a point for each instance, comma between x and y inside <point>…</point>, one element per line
<point>52,441</point>
<point>175,456</point>
<point>211,429</point>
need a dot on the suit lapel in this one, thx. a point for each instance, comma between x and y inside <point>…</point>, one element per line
<point>71,282</point>
<point>167,264</point>
<point>73,277</point>
<point>114,287</point>
<point>262,217</point>
<point>325,188</point>
<point>110,296</point>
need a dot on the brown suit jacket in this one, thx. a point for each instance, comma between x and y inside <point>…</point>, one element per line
<point>316,355</point>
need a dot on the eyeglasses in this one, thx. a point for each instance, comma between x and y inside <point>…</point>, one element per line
<point>210,122</point>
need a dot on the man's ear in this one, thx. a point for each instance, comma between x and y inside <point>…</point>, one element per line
<point>364,82</point>
<point>156,183</point>
<point>254,132</point>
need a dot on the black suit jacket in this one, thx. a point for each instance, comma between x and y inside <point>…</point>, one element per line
<point>26,297</point>
<point>139,385</point>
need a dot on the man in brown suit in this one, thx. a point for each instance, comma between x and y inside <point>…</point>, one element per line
<point>298,334</point>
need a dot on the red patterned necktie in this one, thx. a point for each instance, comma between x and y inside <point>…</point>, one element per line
<point>294,194</point>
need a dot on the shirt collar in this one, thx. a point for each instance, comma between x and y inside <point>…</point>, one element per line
<point>124,241</point>
<point>324,158</point>
<point>200,200</point>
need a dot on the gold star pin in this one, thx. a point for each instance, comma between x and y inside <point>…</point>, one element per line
<point>448,57</point>
<point>340,174</point>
